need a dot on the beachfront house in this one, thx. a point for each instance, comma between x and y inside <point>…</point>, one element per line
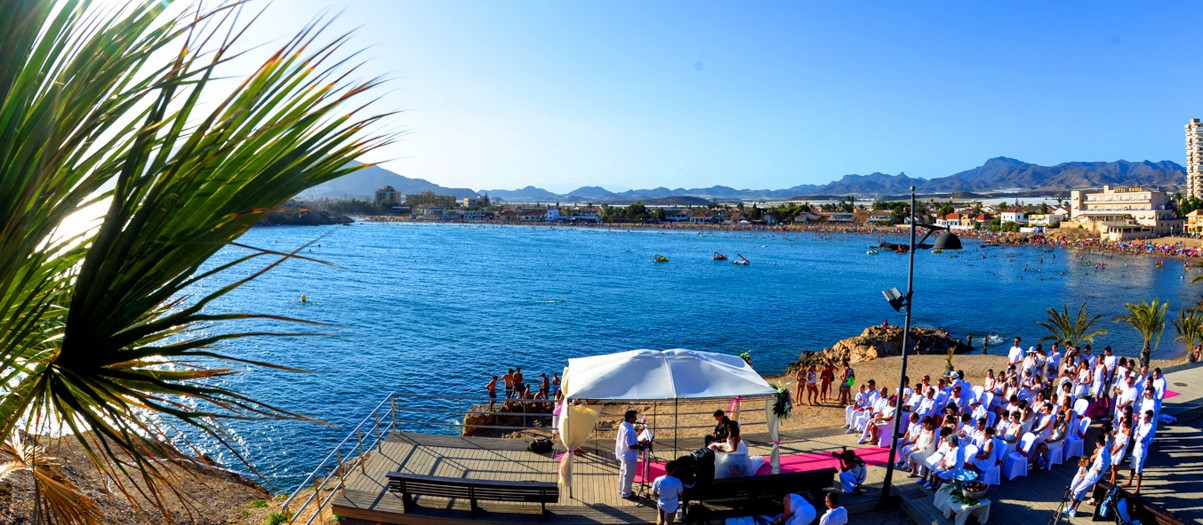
<point>950,221</point>
<point>881,219</point>
<point>676,215</point>
<point>840,217</point>
<point>478,215</point>
<point>1120,214</point>
<point>1015,215</point>
<point>533,215</point>
<point>1051,220</point>
<point>508,216</point>
<point>585,215</point>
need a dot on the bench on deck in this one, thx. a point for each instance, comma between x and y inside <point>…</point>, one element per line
<point>758,490</point>
<point>410,485</point>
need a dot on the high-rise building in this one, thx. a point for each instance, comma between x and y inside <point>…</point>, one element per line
<point>1194,158</point>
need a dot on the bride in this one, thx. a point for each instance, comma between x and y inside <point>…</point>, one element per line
<point>731,456</point>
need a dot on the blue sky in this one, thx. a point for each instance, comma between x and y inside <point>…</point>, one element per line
<point>502,94</point>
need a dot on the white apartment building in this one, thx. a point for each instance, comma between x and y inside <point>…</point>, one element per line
<point>1194,158</point>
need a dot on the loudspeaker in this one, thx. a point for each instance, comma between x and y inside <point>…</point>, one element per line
<point>687,468</point>
<point>704,471</point>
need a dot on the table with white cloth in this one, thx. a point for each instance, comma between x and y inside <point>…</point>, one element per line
<point>944,503</point>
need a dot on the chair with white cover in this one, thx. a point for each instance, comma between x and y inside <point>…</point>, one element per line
<point>978,391</point>
<point>970,451</point>
<point>1080,407</point>
<point>990,475</point>
<point>1055,453</point>
<point>884,433</point>
<point>1075,443</point>
<point>1016,464</point>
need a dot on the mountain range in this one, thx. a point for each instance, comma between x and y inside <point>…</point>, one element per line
<point>999,174</point>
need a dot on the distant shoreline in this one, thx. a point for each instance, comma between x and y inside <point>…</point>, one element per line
<point>1164,247</point>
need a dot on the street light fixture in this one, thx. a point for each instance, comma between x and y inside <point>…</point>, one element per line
<point>945,241</point>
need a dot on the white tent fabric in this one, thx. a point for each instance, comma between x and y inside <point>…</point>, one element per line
<point>652,375</point>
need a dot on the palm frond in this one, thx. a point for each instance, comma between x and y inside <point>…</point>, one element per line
<point>1062,326</point>
<point>96,329</point>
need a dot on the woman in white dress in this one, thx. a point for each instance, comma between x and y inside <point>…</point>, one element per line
<point>730,456</point>
<point>1118,448</point>
<point>924,445</point>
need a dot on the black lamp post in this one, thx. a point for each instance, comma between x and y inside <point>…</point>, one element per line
<point>946,241</point>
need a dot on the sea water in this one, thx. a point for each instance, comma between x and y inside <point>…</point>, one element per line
<point>439,309</point>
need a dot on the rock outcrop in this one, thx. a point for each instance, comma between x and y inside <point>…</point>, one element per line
<point>882,341</point>
<point>303,217</point>
<point>479,420</point>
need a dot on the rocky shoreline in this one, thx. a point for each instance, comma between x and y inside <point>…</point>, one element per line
<point>881,341</point>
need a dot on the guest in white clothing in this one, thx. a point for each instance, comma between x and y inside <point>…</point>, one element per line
<point>835,515</point>
<point>626,449</point>
<point>1141,439</point>
<point>796,511</point>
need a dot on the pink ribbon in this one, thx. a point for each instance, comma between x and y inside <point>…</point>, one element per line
<point>731,407</point>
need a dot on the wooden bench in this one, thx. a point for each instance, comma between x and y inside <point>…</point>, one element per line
<point>757,490</point>
<point>410,485</point>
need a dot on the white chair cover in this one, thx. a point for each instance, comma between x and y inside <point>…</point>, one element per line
<point>1080,407</point>
<point>1016,464</point>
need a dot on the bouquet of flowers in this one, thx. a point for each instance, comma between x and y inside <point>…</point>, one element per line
<point>783,403</point>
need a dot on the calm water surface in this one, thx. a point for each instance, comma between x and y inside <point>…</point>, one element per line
<point>440,308</point>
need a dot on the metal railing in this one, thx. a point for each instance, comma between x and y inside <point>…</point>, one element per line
<point>337,470</point>
<point>439,414</point>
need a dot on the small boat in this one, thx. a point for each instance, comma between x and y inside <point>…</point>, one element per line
<point>719,257</point>
<point>660,258</point>
<point>742,261</point>
<point>937,250</point>
<point>872,251</point>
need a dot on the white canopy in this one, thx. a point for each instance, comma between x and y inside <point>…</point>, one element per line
<point>650,375</point>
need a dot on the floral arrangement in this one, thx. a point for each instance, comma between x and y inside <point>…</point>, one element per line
<point>746,355</point>
<point>782,404</point>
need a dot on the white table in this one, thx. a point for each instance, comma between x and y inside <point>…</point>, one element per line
<point>944,503</point>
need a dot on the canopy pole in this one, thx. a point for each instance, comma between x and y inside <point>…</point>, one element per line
<point>676,427</point>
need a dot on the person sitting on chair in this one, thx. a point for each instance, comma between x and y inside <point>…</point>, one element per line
<point>722,428</point>
<point>731,456</point>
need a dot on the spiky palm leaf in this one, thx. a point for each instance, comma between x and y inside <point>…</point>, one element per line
<point>1189,327</point>
<point>95,330</point>
<point>1147,318</point>
<point>58,498</point>
<point>1072,328</point>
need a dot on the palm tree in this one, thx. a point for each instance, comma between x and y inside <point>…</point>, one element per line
<point>1073,329</point>
<point>1148,319</point>
<point>1189,326</point>
<point>119,111</point>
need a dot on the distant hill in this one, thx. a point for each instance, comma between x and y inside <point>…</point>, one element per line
<point>363,185</point>
<point>995,175</point>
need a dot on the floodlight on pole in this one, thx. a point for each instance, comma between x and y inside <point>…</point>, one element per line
<point>945,241</point>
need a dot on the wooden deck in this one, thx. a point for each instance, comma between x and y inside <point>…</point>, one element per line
<point>594,497</point>
<point>1173,479</point>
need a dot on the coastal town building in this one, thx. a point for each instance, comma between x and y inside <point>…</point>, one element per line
<point>1194,158</point>
<point>1015,215</point>
<point>430,198</point>
<point>1118,214</point>
<point>1194,223</point>
<point>839,216</point>
<point>388,195</point>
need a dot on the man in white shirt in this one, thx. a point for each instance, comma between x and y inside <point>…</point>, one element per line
<point>1110,361</point>
<point>1015,355</point>
<point>1159,384</point>
<point>1090,357</point>
<point>1053,362</point>
<point>1141,439</point>
<point>1126,398</point>
<point>926,405</point>
<point>835,515</point>
<point>626,449</point>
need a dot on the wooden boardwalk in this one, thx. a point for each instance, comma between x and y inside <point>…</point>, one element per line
<point>594,498</point>
<point>1174,476</point>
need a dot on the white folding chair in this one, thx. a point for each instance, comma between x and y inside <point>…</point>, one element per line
<point>1055,454</point>
<point>1016,464</point>
<point>884,433</point>
<point>1075,444</point>
<point>990,475</point>
<point>1080,407</point>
